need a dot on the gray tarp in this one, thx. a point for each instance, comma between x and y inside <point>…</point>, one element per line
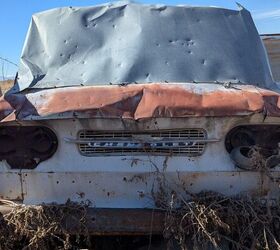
<point>128,42</point>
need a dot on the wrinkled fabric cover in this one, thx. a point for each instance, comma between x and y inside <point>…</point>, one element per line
<point>128,42</point>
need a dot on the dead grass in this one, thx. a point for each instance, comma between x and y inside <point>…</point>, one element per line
<point>5,86</point>
<point>210,219</point>
<point>42,227</point>
<point>213,221</point>
<point>195,221</point>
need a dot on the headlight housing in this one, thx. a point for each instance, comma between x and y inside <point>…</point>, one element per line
<point>24,147</point>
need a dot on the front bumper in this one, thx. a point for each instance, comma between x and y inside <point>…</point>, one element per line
<point>110,221</point>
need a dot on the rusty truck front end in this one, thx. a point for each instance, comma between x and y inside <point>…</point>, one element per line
<point>114,103</point>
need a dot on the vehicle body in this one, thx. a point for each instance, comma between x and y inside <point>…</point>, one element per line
<point>108,102</point>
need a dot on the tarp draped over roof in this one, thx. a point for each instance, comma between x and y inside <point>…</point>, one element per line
<point>129,42</point>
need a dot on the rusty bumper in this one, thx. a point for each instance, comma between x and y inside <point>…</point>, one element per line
<point>114,221</point>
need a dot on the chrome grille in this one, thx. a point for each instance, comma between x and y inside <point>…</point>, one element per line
<point>189,142</point>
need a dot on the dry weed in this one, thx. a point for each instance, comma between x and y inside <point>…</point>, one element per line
<point>42,226</point>
<point>213,221</point>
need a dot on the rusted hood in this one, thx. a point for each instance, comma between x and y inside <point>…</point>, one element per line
<point>138,101</point>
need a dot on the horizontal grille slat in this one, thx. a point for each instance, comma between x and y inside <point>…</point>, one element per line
<point>88,147</point>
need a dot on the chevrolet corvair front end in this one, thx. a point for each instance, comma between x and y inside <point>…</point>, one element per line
<point>111,100</point>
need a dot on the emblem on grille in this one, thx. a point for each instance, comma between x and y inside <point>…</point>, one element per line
<point>189,142</point>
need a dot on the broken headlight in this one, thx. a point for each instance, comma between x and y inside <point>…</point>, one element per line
<point>254,146</point>
<point>24,147</point>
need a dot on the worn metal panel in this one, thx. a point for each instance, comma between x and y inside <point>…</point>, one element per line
<point>116,189</point>
<point>127,181</point>
<point>129,42</point>
<point>10,184</point>
<point>138,101</point>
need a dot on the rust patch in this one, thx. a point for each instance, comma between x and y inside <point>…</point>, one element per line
<point>136,178</point>
<point>140,101</point>
<point>6,111</point>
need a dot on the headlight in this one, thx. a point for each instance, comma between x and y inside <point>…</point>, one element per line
<point>24,147</point>
<point>254,146</point>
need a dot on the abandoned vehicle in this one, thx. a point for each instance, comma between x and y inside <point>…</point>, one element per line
<point>114,101</point>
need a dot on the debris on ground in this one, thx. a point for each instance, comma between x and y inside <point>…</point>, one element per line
<point>206,220</point>
<point>209,220</point>
<point>41,226</point>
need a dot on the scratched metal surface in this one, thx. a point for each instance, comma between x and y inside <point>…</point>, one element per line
<point>128,181</point>
<point>129,42</point>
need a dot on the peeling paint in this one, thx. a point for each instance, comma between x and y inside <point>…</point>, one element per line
<point>141,101</point>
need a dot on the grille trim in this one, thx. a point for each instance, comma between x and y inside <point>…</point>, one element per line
<point>184,142</point>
